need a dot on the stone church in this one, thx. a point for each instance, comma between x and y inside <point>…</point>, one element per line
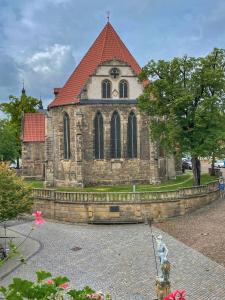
<point>92,132</point>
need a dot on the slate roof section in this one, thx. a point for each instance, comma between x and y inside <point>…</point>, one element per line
<point>34,127</point>
<point>107,46</point>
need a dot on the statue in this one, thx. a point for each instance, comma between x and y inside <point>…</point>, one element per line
<point>162,284</point>
<point>162,250</point>
<point>162,253</point>
<point>162,281</point>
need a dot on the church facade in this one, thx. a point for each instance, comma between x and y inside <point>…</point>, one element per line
<point>92,132</point>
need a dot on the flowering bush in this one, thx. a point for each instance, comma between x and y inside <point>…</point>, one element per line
<point>13,250</point>
<point>176,295</point>
<point>46,287</point>
<point>38,218</point>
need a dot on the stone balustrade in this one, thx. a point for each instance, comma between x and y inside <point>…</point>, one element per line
<point>122,206</point>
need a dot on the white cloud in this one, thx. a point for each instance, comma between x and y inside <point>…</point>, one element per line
<point>49,60</point>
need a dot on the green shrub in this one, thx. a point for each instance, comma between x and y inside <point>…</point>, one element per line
<point>15,194</point>
<point>46,287</point>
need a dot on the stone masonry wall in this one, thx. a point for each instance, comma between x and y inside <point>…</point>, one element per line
<point>82,168</point>
<point>33,159</point>
<point>123,170</point>
<point>122,207</point>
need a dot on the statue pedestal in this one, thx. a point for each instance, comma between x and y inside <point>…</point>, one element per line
<point>162,289</point>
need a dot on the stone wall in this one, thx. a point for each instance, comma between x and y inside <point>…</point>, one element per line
<point>82,168</point>
<point>122,207</point>
<point>116,171</point>
<point>33,159</point>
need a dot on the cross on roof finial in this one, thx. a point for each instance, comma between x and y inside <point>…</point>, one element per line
<point>23,89</point>
<point>108,15</point>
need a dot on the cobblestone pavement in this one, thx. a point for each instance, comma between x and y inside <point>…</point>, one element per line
<point>119,259</point>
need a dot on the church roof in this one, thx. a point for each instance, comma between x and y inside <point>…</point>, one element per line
<point>107,46</point>
<point>34,127</point>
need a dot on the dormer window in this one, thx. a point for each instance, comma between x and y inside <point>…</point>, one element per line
<point>106,89</point>
<point>114,73</point>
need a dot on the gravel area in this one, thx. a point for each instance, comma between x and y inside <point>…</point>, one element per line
<point>202,230</point>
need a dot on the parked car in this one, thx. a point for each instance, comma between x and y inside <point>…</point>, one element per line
<point>186,165</point>
<point>219,163</point>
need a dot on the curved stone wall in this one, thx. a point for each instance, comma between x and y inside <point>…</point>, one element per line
<point>83,207</point>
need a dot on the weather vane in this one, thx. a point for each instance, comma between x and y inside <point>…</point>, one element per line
<point>108,15</point>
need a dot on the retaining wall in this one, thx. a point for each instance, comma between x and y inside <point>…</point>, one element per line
<point>116,207</point>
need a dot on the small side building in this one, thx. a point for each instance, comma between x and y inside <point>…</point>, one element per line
<point>33,145</point>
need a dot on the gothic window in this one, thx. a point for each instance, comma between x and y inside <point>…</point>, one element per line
<point>123,89</point>
<point>66,135</point>
<point>99,139</point>
<point>132,136</point>
<point>115,136</point>
<point>106,89</point>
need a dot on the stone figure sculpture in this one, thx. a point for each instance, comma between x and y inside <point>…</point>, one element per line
<point>162,250</point>
<point>162,253</point>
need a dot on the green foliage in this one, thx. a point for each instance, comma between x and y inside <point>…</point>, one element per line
<point>13,250</point>
<point>17,106</point>
<point>8,144</point>
<point>15,194</point>
<point>45,287</point>
<point>81,294</point>
<point>186,102</point>
<point>42,275</point>
<point>14,109</point>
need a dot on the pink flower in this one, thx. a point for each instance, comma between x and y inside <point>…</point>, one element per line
<point>97,296</point>
<point>64,286</point>
<point>50,281</point>
<point>173,296</point>
<point>38,218</point>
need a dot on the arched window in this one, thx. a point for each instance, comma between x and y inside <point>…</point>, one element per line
<point>115,136</point>
<point>123,89</point>
<point>99,138</point>
<point>132,136</point>
<point>106,89</point>
<point>66,135</point>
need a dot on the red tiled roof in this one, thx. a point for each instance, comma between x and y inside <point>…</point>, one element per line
<point>33,127</point>
<point>107,46</point>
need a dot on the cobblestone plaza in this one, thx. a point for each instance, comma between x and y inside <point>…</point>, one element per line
<point>119,259</point>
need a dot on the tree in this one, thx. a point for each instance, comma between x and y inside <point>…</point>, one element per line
<point>8,144</point>
<point>14,109</point>
<point>15,194</point>
<point>186,102</point>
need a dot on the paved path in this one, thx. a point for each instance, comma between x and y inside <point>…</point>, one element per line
<point>27,247</point>
<point>119,259</point>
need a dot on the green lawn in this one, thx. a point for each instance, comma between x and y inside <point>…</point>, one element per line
<point>185,180</point>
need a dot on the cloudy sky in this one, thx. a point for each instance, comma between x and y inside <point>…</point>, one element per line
<point>41,41</point>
